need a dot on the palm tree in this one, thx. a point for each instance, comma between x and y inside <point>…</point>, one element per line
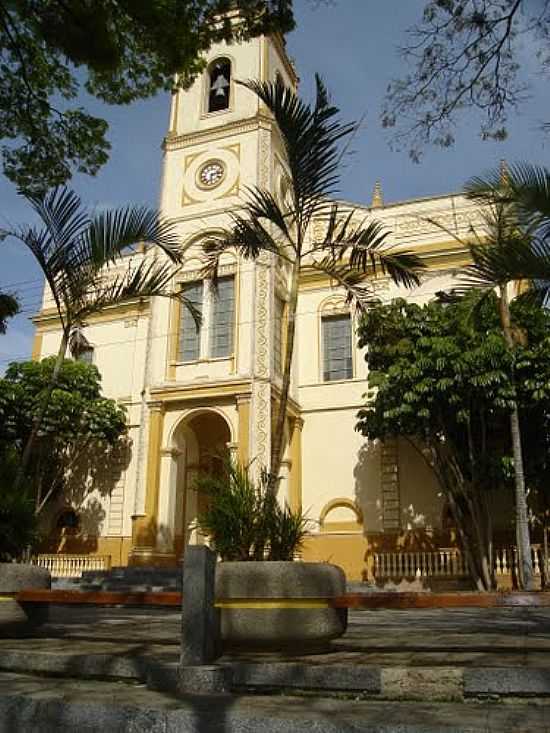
<point>82,258</point>
<point>349,251</point>
<point>503,251</point>
<point>525,189</point>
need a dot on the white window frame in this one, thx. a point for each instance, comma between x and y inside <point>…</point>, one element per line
<point>326,315</point>
<point>206,327</point>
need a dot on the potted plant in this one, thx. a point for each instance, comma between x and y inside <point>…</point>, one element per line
<point>266,598</point>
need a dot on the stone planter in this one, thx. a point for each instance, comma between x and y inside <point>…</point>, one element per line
<point>279,604</point>
<point>15,577</point>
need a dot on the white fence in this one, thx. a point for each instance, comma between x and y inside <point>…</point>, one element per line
<point>398,565</point>
<point>72,566</point>
<point>446,563</point>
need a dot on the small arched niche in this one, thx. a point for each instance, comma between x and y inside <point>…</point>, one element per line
<point>341,515</point>
<point>219,85</point>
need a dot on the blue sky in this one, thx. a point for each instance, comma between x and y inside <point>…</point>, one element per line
<point>353,45</point>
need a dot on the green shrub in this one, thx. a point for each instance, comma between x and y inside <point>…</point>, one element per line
<point>244,520</point>
<point>18,523</point>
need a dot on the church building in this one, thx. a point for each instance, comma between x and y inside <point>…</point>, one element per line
<point>190,393</point>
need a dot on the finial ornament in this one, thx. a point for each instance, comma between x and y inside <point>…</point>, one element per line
<point>377,197</point>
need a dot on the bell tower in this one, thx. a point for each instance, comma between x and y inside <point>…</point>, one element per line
<point>222,140</point>
<point>220,137</point>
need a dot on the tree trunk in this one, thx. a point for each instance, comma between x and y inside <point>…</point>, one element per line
<point>277,440</point>
<point>525,564</point>
<point>39,417</point>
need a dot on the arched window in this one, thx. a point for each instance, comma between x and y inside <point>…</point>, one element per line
<point>219,80</point>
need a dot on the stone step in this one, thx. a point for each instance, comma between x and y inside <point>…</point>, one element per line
<point>157,665</point>
<point>31,704</point>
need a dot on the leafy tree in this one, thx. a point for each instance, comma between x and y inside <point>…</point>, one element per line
<point>499,238</point>
<point>351,249</point>
<point>118,51</point>
<point>443,378</point>
<point>82,256</point>
<point>465,54</point>
<point>18,522</point>
<point>9,307</point>
<point>80,431</point>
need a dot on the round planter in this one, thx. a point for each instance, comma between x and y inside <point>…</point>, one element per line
<point>279,604</point>
<point>13,578</point>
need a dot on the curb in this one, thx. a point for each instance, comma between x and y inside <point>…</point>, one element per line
<point>34,705</point>
<point>451,684</point>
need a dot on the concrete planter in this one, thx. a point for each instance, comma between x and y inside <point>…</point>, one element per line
<point>13,578</point>
<point>278,604</point>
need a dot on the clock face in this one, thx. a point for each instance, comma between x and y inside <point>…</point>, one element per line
<point>211,173</point>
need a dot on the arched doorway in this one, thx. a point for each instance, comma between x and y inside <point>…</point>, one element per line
<point>201,440</point>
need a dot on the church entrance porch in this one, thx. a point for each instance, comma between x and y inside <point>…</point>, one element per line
<point>202,443</point>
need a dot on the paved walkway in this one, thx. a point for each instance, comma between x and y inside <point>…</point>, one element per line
<point>468,637</point>
<point>402,655</point>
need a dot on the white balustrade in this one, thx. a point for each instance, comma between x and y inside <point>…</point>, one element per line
<point>72,566</point>
<point>446,563</point>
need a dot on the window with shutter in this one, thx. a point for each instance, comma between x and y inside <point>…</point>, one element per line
<point>222,316</point>
<point>337,355</point>
<point>190,335</point>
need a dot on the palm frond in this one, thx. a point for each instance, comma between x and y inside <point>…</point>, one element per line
<point>148,278</point>
<point>525,186</point>
<point>111,233</point>
<point>263,205</point>
<point>60,209</point>
<point>364,247</point>
<point>311,138</point>
<point>248,236</point>
<point>359,290</point>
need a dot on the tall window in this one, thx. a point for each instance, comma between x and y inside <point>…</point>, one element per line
<point>337,358</point>
<point>190,334</point>
<point>219,78</point>
<point>214,336</point>
<point>222,314</point>
<point>278,335</point>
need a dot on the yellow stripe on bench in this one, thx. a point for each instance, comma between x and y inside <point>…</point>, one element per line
<point>271,603</point>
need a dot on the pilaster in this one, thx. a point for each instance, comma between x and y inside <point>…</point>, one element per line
<point>144,530</point>
<point>295,483</point>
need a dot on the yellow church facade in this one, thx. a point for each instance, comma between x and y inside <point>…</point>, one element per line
<point>191,392</point>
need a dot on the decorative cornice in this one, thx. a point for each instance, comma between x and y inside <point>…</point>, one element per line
<point>205,391</point>
<point>175,142</point>
<point>48,318</point>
